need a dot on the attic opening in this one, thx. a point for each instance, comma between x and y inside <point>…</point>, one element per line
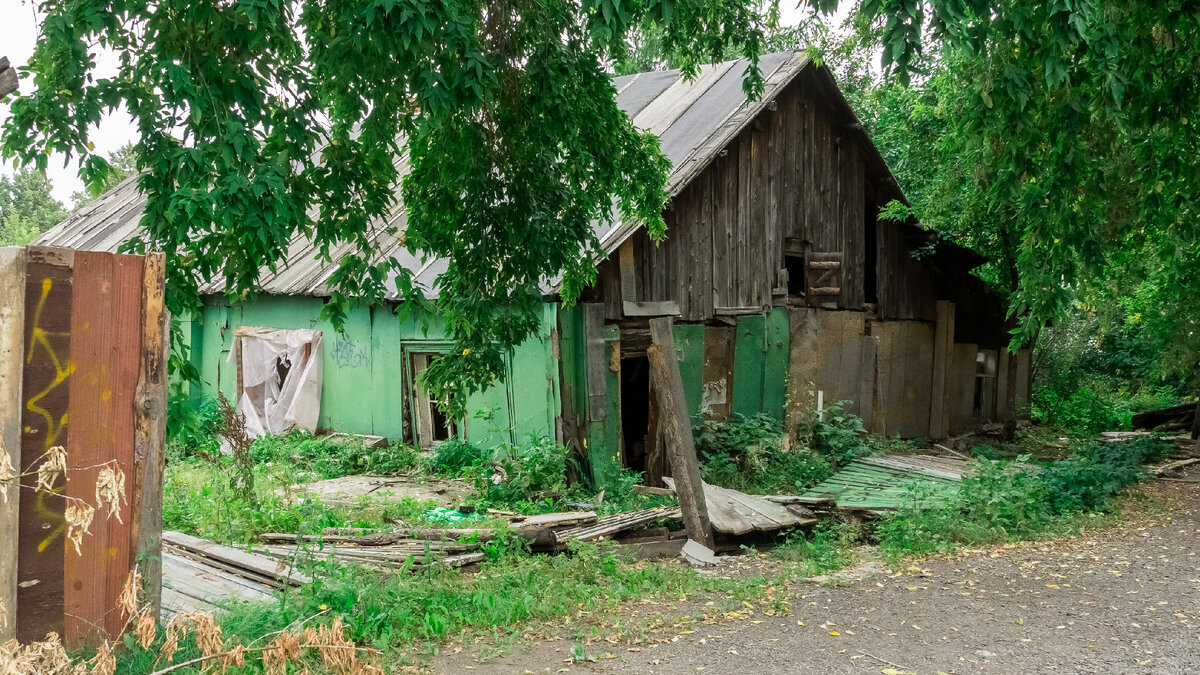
<point>635,409</point>
<point>797,281</point>
<point>870,253</point>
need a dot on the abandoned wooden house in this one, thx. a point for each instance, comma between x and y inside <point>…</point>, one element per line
<point>786,288</point>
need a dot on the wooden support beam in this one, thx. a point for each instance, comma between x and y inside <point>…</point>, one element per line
<point>628,276</point>
<point>12,310</point>
<point>150,432</point>
<point>943,351</point>
<point>677,431</point>
<point>651,308</point>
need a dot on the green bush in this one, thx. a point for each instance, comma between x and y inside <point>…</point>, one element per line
<point>454,456</point>
<point>191,431</point>
<point>532,472</point>
<point>751,454</point>
<point>333,457</point>
<point>1013,500</point>
<point>838,434</point>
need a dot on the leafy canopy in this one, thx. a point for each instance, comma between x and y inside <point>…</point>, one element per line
<point>261,121</point>
<point>27,208</point>
<point>1069,137</point>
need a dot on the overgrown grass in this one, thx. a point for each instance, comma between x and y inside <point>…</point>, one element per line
<point>1009,500</point>
<point>410,615</point>
<point>829,547</point>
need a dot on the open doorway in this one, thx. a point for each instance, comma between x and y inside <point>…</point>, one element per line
<point>430,425</point>
<point>635,409</point>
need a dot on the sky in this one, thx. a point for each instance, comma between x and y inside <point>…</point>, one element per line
<point>18,35</point>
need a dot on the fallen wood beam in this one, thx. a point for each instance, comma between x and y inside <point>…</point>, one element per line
<point>647,490</point>
<point>677,430</point>
<point>608,526</point>
<point>232,556</point>
<point>1168,469</point>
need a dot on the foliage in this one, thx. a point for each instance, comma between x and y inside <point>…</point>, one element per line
<point>260,122</point>
<point>534,472</point>
<point>192,431</point>
<point>750,453</point>
<point>455,455</point>
<point>122,163</point>
<point>331,457</point>
<point>26,207</point>
<point>1099,365</point>
<point>1008,500</point>
<point>828,549</point>
<point>835,432</point>
<point>1104,208</point>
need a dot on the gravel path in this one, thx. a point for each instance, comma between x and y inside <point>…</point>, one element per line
<point>1124,600</point>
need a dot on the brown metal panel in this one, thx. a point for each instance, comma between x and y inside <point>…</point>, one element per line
<point>106,350</point>
<point>44,387</point>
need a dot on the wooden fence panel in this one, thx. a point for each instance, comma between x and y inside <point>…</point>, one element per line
<point>12,326</point>
<point>106,352</point>
<point>47,363</point>
<point>87,355</point>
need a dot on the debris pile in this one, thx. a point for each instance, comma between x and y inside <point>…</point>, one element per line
<point>871,486</point>
<point>201,576</point>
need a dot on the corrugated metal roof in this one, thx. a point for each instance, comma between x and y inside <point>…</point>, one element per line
<point>693,120</point>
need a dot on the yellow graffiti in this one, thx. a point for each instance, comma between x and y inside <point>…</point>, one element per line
<point>40,336</point>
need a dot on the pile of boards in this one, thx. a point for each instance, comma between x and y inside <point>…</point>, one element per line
<point>201,576</point>
<point>407,548</point>
<point>871,486</point>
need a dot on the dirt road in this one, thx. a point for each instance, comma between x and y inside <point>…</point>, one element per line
<point>1125,600</point>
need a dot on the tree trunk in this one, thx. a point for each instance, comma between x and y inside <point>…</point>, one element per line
<point>677,431</point>
<point>1196,419</point>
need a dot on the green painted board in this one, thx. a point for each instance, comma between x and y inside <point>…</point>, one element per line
<point>748,363</point>
<point>862,485</point>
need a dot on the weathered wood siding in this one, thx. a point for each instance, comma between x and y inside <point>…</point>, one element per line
<point>797,176</point>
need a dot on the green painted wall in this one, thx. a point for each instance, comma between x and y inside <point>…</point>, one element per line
<point>365,382</point>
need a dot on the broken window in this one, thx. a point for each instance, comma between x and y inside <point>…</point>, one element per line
<point>794,264</point>
<point>985,385</point>
<point>278,378</point>
<point>430,424</point>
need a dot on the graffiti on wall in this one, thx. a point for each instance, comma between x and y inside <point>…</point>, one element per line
<point>349,354</point>
<point>47,374</point>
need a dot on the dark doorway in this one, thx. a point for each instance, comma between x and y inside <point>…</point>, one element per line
<point>794,264</point>
<point>635,409</point>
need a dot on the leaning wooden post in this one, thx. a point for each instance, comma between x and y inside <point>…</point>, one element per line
<point>677,431</point>
<point>150,432</point>
<point>12,331</point>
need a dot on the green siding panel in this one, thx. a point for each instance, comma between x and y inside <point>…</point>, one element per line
<point>689,349</point>
<point>748,365</point>
<point>776,362</point>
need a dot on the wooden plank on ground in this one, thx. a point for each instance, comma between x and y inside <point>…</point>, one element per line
<point>12,323</point>
<point>677,430</point>
<point>609,525</point>
<point>150,430</point>
<point>44,386</point>
<point>225,554</point>
<point>106,349</point>
<point>736,513</point>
